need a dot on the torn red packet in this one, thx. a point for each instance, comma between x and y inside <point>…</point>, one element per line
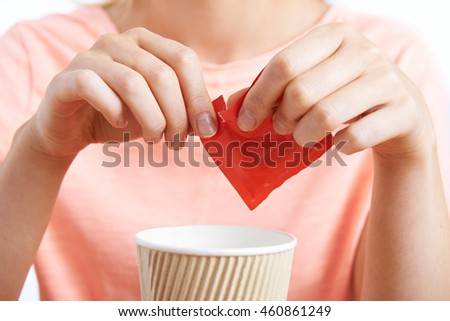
<point>259,161</point>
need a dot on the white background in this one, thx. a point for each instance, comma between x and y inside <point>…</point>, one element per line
<point>430,18</point>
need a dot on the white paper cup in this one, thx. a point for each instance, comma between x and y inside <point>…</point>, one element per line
<point>214,262</point>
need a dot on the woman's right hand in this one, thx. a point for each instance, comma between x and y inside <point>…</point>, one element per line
<point>136,82</point>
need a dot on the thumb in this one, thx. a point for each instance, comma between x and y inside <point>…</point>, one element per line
<point>232,99</point>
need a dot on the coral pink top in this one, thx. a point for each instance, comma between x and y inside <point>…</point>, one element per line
<point>88,252</point>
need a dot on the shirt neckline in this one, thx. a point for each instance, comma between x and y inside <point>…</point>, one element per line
<point>104,24</point>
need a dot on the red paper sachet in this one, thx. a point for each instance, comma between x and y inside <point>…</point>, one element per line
<point>259,161</point>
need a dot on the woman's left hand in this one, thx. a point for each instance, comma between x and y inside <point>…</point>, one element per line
<point>334,79</point>
<point>331,77</point>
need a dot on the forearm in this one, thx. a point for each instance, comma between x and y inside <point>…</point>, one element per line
<point>406,247</point>
<point>29,184</point>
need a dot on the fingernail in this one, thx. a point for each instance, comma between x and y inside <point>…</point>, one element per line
<point>179,137</point>
<point>279,127</point>
<point>176,145</point>
<point>205,125</point>
<point>246,121</point>
<point>177,142</point>
<point>122,122</point>
<point>154,140</point>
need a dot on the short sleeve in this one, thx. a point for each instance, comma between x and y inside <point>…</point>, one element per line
<point>15,86</point>
<point>417,61</point>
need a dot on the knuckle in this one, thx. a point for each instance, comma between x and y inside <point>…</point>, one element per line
<point>131,83</point>
<point>154,130</point>
<point>345,30</point>
<point>340,29</point>
<point>283,117</point>
<point>285,121</point>
<point>255,101</point>
<point>369,55</point>
<point>300,94</point>
<point>82,58</point>
<point>356,139</point>
<point>352,37</point>
<point>411,105</point>
<point>326,115</point>
<point>136,32</point>
<point>378,60</point>
<point>197,101</point>
<point>392,82</point>
<point>186,56</point>
<point>373,53</point>
<point>163,74</point>
<point>284,65</point>
<point>177,126</point>
<point>339,26</point>
<point>388,79</point>
<point>58,77</point>
<point>106,40</point>
<point>83,80</point>
<point>56,80</point>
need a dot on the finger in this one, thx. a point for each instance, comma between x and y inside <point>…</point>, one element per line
<point>134,91</point>
<point>352,101</point>
<point>232,99</point>
<point>166,88</point>
<point>184,61</point>
<point>161,79</point>
<point>373,129</point>
<point>89,87</point>
<point>312,86</point>
<point>304,54</point>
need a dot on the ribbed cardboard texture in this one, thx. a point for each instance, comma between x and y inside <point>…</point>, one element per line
<point>180,277</point>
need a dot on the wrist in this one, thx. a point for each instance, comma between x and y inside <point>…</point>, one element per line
<point>413,149</point>
<point>28,144</point>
